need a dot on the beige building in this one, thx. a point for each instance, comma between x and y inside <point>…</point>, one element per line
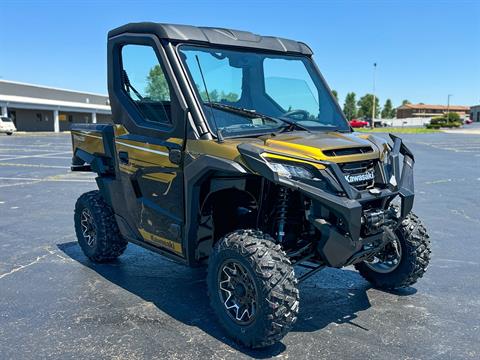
<point>428,111</point>
<point>43,108</point>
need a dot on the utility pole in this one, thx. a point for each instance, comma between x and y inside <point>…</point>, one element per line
<point>373,107</point>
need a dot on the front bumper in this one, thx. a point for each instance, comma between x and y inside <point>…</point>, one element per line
<point>342,246</point>
<point>7,130</point>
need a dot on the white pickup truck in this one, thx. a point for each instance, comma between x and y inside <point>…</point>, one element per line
<point>7,126</point>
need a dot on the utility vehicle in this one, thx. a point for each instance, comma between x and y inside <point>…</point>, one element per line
<point>229,150</point>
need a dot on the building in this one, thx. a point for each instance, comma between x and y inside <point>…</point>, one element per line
<point>475,113</point>
<point>428,111</point>
<point>42,108</point>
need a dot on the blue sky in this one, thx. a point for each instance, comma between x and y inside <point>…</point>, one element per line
<point>425,50</point>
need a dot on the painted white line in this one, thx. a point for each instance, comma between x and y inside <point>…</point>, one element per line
<point>36,145</point>
<point>21,183</point>
<point>58,157</point>
<point>34,165</point>
<point>46,179</point>
<point>33,150</point>
<point>34,156</point>
<point>143,148</point>
<point>21,267</point>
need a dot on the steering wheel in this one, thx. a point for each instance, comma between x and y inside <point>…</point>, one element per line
<point>292,113</point>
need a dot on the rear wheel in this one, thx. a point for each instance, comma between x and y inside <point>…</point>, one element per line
<point>96,228</point>
<point>403,260</point>
<point>9,133</point>
<point>252,288</point>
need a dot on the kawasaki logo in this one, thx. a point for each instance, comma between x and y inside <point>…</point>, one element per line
<point>369,175</point>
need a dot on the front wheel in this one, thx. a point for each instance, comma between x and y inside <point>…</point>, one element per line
<point>252,288</point>
<point>9,133</point>
<point>403,260</point>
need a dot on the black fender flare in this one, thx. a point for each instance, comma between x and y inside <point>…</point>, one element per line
<point>195,172</point>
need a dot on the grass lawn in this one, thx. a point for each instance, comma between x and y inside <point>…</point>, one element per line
<point>399,130</point>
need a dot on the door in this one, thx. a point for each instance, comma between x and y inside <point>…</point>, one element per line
<point>149,144</point>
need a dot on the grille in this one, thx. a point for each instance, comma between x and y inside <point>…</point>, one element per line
<point>359,168</point>
<point>348,151</point>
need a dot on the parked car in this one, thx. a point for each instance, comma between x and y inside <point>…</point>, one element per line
<point>467,121</point>
<point>7,126</point>
<point>355,123</point>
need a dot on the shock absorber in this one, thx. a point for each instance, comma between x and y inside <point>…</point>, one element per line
<point>281,210</point>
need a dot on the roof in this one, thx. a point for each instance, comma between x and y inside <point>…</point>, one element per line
<point>52,87</point>
<point>214,36</point>
<point>434,107</point>
<point>25,102</point>
<point>18,89</point>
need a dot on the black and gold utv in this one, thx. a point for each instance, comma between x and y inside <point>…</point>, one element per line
<point>229,150</point>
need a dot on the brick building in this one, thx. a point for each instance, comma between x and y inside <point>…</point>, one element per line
<point>428,111</point>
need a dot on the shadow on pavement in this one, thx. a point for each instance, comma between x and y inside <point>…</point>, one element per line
<point>333,296</point>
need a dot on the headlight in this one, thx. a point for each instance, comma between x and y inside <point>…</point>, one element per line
<point>290,171</point>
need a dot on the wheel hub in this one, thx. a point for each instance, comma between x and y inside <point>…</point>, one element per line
<point>388,259</point>
<point>237,292</point>
<point>88,227</point>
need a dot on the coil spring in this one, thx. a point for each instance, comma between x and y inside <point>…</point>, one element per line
<point>281,210</point>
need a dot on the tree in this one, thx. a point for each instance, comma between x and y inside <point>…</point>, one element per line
<point>350,106</point>
<point>335,94</point>
<point>388,111</point>
<point>452,117</point>
<point>216,96</point>
<point>365,105</point>
<point>157,87</point>
<point>405,102</point>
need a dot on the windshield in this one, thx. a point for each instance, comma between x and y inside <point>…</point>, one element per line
<point>273,91</point>
<point>6,119</point>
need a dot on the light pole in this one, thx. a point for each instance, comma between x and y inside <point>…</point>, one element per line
<point>448,108</point>
<point>373,107</point>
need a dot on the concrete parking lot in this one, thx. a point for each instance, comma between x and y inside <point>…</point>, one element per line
<point>54,303</point>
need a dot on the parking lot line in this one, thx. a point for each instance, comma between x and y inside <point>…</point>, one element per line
<point>35,165</point>
<point>50,178</point>
<point>34,156</point>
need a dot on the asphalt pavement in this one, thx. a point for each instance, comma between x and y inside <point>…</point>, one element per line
<point>55,303</point>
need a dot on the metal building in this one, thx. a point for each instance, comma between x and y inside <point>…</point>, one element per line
<point>475,113</point>
<point>43,108</point>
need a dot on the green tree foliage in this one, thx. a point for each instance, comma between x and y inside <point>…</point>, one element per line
<point>217,96</point>
<point>405,102</point>
<point>388,112</point>
<point>335,94</point>
<point>157,87</point>
<point>452,117</point>
<point>350,106</point>
<point>449,120</point>
<point>365,105</point>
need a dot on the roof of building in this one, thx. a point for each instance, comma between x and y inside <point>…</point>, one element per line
<point>23,95</point>
<point>434,107</point>
<point>214,36</point>
<point>52,87</point>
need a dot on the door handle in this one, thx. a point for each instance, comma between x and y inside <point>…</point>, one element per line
<point>123,156</point>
